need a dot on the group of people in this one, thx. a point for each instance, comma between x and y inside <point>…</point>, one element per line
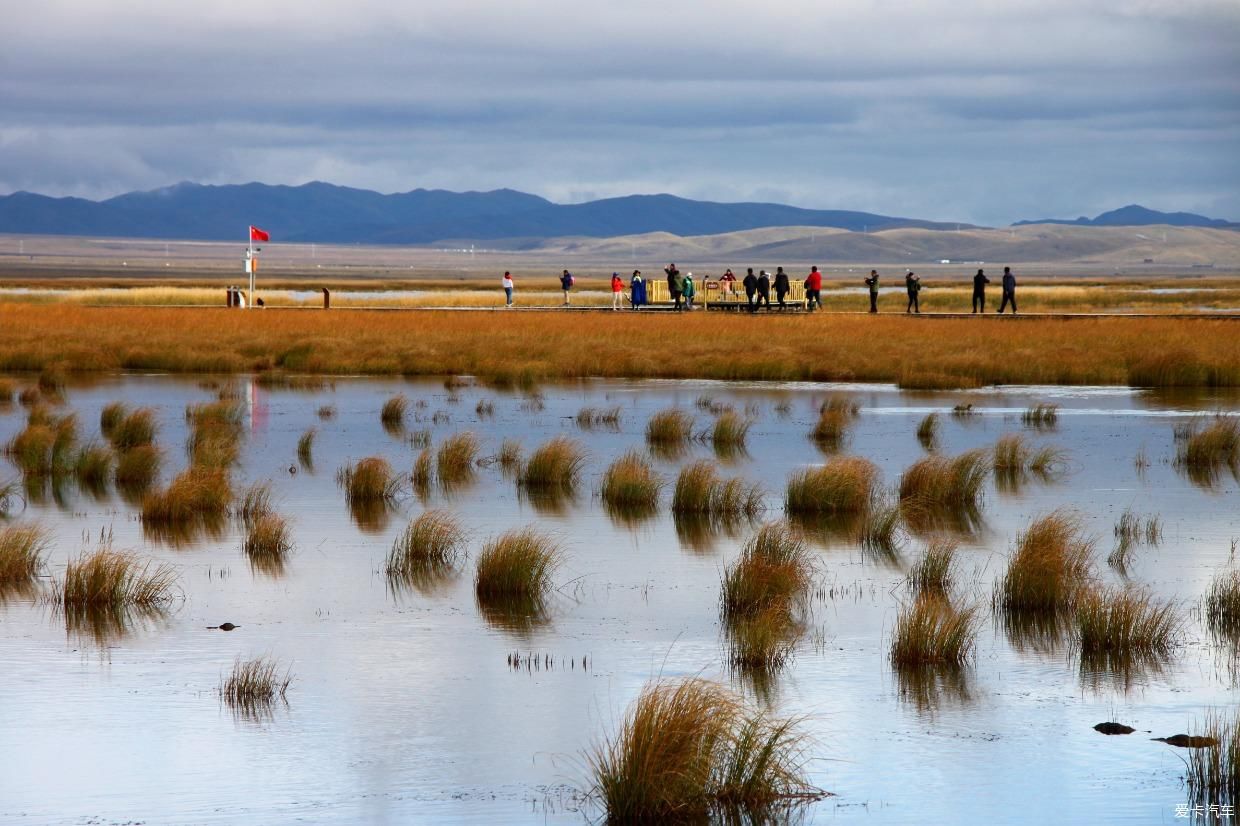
<point>683,291</point>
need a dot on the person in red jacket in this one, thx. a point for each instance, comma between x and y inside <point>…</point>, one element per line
<point>617,290</point>
<point>813,289</point>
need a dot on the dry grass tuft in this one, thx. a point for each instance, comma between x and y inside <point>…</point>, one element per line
<point>1214,771</point>
<point>514,571</point>
<point>835,417</point>
<point>1223,605</point>
<point>423,471</point>
<point>774,570</point>
<point>255,503</point>
<point>843,485</point>
<point>110,417</point>
<point>1041,415</point>
<point>93,466</point>
<point>928,431</point>
<point>455,460</point>
<point>138,468</point>
<point>131,429</point>
<point>1125,624</point>
<point>935,574</point>
<point>255,682</point>
<point>305,448</point>
<point>669,428</point>
<point>108,579</point>
<point>1209,448</point>
<point>939,483</point>
<point>196,496</point>
<point>22,550</point>
<point>509,455</point>
<point>592,417</point>
<point>700,489</point>
<point>268,537</point>
<point>555,466</point>
<point>369,482</point>
<point>1051,569</point>
<point>429,546</point>
<point>730,431</point>
<point>691,750</point>
<point>933,633</point>
<point>630,484</point>
<point>393,414</point>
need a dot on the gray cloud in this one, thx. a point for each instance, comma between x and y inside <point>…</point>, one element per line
<point>934,109</point>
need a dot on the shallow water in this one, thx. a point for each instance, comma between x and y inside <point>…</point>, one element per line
<point>404,707</point>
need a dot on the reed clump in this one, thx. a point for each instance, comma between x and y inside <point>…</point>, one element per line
<point>1050,570</point>
<point>305,448</point>
<point>454,461</point>
<point>1223,605</point>
<point>268,537</point>
<point>110,416</point>
<point>1212,446</point>
<point>691,749</point>
<point>669,428</point>
<point>928,431</point>
<point>631,483</point>
<point>432,543</point>
<point>761,643</point>
<point>93,466</point>
<point>393,413</point>
<point>423,470</point>
<point>1123,624</point>
<point>22,551</point>
<point>933,633</point>
<point>730,431</point>
<point>835,417</point>
<point>1214,771</point>
<point>517,567</point>
<point>113,580</point>
<point>370,481</point>
<point>942,483</point>
<point>7,391</point>
<point>255,503</point>
<point>509,455</point>
<point>935,573</point>
<point>255,682</point>
<point>555,466</point>
<point>1041,415</point>
<point>591,417</point>
<point>845,484</point>
<point>130,429</point>
<point>196,495</point>
<point>215,434</point>
<point>484,408</point>
<point>774,569</point>
<point>701,489</point>
<point>1011,454</point>
<point>137,469</point>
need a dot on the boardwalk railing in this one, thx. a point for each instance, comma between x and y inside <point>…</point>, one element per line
<point>712,292</point>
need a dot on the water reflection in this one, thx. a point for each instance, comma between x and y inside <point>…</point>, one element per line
<point>105,626</point>
<point>929,688</point>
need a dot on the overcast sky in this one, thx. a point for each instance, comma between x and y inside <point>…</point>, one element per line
<point>965,110</point>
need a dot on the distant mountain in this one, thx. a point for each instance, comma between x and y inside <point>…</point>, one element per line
<point>334,214</point>
<point>1135,215</point>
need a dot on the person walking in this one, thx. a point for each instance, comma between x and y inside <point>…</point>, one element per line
<point>689,291</point>
<point>912,283</point>
<point>979,292</point>
<point>782,287</point>
<point>1009,290</point>
<point>507,282</point>
<point>751,286</point>
<point>617,290</point>
<point>674,284</point>
<point>813,289</point>
<point>566,284</point>
<point>764,289</point>
<point>637,290</point>
<point>872,283</point>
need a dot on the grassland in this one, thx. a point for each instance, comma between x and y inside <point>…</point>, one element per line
<point>554,345</point>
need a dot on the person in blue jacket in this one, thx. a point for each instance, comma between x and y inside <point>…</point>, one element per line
<point>637,290</point>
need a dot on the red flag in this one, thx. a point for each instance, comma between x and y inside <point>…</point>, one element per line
<point>257,234</point>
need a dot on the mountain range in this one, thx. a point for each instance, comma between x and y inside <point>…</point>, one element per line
<point>326,213</point>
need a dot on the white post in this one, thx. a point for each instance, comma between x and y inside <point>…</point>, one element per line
<point>249,264</point>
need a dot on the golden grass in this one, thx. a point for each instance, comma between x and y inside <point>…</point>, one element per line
<point>835,417</point>
<point>1122,624</point>
<point>631,484</point>
<point>1051,568</point>
<point>591,417</point>
<point>1222,605</point>
<point>935,573</point>
<point>368,482</point>
<point>1041,415</point>
<point>430,544</point>
<point>196,495</point>
<point>267,537</point>
<point>928,431</point>
<point>933,633</point>
<point>1211,446</point>
<point>454,461</point>
<point>843,485</point>
<point>1214,771</point>
<point>393,413</point>
<point>730,431</point>
<point>31,450</point>
<point>22,550</point>
<point>93,466</point>
<point>110,416</point>
<point>254,682</point>
<point>774,570</point>
<point>305,448</point>
<point>669,427</point>
<point>938,482</point>
<point>423,470</point>
<point>700,489</point>
<point>137,469</point>
<point>108,579</point>
<point>8,389</point>
<point>554,466</point>
<point>690,750</point>
<point>255,503</point>
<point>127,429</point>
<point>515,570</point>
<point>534,346</point>
<point>215,434</point>
<point>509,455</point>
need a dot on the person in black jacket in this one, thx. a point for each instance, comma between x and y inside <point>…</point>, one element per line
<point>674,284</point>
<point>913,284</point>
<point>781,286</point>
<point>872,284</point>
<point>979,292</point>
<point>764,289</point>
<point>751,286</point>
<point>1009,290</point>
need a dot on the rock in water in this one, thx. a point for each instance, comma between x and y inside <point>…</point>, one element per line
<point>223,626</point>
<point>1114,728</point>
<point>1186,741</point>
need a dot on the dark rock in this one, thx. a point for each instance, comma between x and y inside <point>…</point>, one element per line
<point>1113,728</point>
<point>1186,741</point>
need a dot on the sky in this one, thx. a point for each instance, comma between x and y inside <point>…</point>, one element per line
<point>969,110</point>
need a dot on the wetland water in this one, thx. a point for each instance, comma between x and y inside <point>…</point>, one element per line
<point>404,707</point>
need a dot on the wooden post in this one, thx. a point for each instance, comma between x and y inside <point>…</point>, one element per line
<point>327,299</point>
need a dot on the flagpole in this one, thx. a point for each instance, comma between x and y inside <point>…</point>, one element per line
<point>249,263</point>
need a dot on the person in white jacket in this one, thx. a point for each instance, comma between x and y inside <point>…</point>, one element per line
<point>508,287</point>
